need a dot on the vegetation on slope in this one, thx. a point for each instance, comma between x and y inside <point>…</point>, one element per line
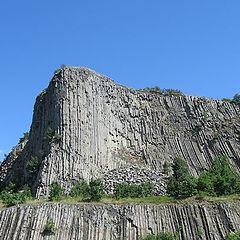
<point>219,183</point>
<point>161,236</point>
<point>233,236</point>
<point>220,180</point>
<point>235,99</point>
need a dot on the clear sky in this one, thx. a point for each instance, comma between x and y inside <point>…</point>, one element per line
<point>191,45</point>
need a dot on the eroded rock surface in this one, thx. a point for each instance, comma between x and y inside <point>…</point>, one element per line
<point>119,222</point>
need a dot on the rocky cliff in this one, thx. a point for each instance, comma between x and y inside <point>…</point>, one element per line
<point>87,126</point>
<point>119,222</point>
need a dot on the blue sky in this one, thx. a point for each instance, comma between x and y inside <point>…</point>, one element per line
<point>190,45</point>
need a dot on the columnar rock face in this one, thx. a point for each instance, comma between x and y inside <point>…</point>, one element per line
<point>119,222</point>
<point>86,126</point>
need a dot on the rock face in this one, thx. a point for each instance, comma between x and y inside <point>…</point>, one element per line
<point>119,222</point>
<point>87,126</point>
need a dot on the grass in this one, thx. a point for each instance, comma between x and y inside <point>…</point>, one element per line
<point>145,200</point>
<point>229,198</point>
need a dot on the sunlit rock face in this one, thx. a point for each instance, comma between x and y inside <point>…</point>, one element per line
<point>87,126</point>
<point>206,221</point>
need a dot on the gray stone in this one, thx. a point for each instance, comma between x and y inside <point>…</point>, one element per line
<point>106,128</point>
<point>120,222</point>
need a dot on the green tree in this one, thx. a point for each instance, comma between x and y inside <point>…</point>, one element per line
<point>236,98</point>
<point>181,184</point>
<point>180,169</point>
<point>56,192</point>
<point>95,190</point>
<point>81,189</point>
<point>205,184</point>
<point>225,179</point>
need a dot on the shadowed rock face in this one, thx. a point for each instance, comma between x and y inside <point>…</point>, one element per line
<point>85,125</point>
<point>120,222</point>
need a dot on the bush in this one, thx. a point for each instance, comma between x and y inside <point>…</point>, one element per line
<point>49,228</point>
<point>146,189</point>
<point>49,134</point>
<point>205,184</point>
<point>182,188</point>
<point>57,137</point>
<point>161,236</point>
<point>220,179</point>
<point>181,184</point>
<point>225,179</point>
<point>32,165</point>
<point>236,99</point>
<point>167,168</point>
<point>226,100</point>
<point>122,190</point>
<point>173,92</point>
<point>88,192</point>
<point>95,190</point>
<point>125,190</point>
<point>56,192</point>
<point>25,137</point>
<point>10,198</point>
<point>233,236</point>
<point>52,136</point>
<point>81,189</point>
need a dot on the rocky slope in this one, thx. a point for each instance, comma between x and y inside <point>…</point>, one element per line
<point>85,125</point>
<point>119,222</point>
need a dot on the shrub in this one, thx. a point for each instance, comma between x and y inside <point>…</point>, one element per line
<point>233,236</point>
<point>200,232</point>
<point>146,189</point>
<point>26,193</point>
<point>95,190</point>
<point>25,137</point>
<point>52,136</point>
<point>81,189</point>
<point>49,228</point>
<point>57,137</point>
<point>56,192</point>
<point>32,165</point>
<point>220,179</point>
<point>161,236</point>
<point>226,100</point>
<point>225,179</point>
<point>13,198</point>
<point>167,168</point>
<point>181,184</point>
<point>125,190</point>
<point>122,190</point>
<point>182,188</point>
<point>173,92</point>
<point>49,134</point>
<point>236,99</point>
<point>205,184</point>
<point>14,185</point>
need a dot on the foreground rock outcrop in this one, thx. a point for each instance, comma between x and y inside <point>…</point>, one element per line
<point>87,126</point>
<point>119,222</point>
